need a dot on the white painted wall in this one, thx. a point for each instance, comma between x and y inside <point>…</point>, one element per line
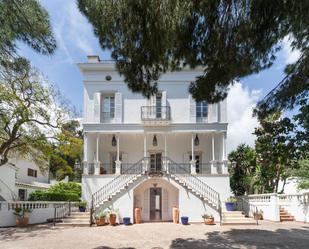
<point>7,182</point>
<point>175,84</point>
<point>189,204</point>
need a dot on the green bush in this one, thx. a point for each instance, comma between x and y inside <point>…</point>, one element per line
<point>60,192</point>
<point>53,196</point>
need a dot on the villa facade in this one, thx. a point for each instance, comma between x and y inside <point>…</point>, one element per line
<point>154,154</point>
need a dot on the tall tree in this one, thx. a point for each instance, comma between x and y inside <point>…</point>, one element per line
<point>26,21</point>
<point>30,112</point>
<point>228,39</point>
<point>243,170</point>
<point>275,148</point>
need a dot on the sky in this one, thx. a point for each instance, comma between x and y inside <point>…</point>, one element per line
<point>75,40</point>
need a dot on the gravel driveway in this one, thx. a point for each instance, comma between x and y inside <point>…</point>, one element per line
<point>159,235</point>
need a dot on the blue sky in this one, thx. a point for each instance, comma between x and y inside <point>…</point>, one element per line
<point>75,40</point>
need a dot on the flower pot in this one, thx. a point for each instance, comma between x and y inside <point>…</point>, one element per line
<point>175,215</point>
<point>137,215</point>
<point>112,219</point>
<point>229,206</point>
<point>126,221</point>
<point>209,221</point>
<point>22,222</point>
<point>184,220</point>
<point>82,209</point>
<point>258,216</point>
<point>100,221</point>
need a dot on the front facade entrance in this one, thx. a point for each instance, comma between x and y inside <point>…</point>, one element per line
<point>155,162</point>
<point>155,204</point>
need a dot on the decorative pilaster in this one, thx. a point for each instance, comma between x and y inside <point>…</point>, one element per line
<point>97,165</point>
<point>86,169</point>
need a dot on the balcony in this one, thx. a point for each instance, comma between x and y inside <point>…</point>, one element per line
<point>156,115</point>
<point>107,117</point>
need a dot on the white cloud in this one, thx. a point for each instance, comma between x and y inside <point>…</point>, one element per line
<point>290,56</point>
<point>240,104</point>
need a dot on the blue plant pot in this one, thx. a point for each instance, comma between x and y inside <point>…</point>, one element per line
<point>229,206</point>
<point>184,220</point>
<point>126,221</point>
<point>82,209</point>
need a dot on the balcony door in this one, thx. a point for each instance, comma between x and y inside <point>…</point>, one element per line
<point>107,108</point>
<point>155,162</point>
<point>197,163</point>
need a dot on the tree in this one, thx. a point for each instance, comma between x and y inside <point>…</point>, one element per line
<point>67,151</point>
<point>302,174</point>
<point>27,21</point>
<point>242,172</point>
<point>276,151</point>
<point>228,39</point>
<point>31,112</point>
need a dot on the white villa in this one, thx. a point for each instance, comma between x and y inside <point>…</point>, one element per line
<point>154,154</point>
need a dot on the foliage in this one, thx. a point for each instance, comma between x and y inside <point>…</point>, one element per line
<point>31,112</point>
<point>207,216</point>
<point>276,151</point>
<point>67,151</point>
<point>26,21</point>
<point>302,174</point>
<point>83,204</point>
<point>231,199</point>
<point>228,39</point>
<point>70,191</point>
<point>242,172</point>
<point>21,212</point>
<point>40,195</point>
<point>112,211</point>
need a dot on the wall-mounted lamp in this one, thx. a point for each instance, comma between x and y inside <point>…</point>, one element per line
<point>114,141</point>
<point>154,140</point>
<point>196,140</point>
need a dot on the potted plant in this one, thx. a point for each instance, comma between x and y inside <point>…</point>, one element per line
<point>184,220</point>
<point>82,206</point>
<point>208,219</point>
<point>100,219</point>
<point>258,215</point>
<point>112,215</point>
<point>230,204</point>
<point>22,216</point>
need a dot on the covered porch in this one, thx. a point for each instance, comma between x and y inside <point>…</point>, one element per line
<point>201,152</point>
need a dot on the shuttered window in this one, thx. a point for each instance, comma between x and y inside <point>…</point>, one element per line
<point>201,110</point>
<point>32,172</point>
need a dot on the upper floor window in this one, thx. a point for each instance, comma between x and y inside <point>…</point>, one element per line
<point>32,172</point>
<point>201,111</point>
<point>108,107</point>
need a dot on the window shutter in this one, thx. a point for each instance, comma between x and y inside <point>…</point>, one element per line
<point>164,104</point>
<point>118,107</point>
<point>97,100</point>
<point>192,109</point>
<point>213,113</point>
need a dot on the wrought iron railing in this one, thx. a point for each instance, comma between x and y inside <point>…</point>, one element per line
<point>121,181</point>
<point>151,113</point>
<point>186,178</point>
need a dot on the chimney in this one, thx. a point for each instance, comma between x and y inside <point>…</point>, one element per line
<point>93,58</point>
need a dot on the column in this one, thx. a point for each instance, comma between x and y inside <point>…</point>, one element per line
<point>192,162</point>
<point>213,162</point>
<point>224,168</point>
<point>165,154</point>
<point>145,161</point>
<point>85,163</point>
<point>118,162</point>
<point>97,163</point>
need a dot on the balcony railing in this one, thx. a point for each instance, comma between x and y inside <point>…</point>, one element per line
<point>153,113</point>
<point>107,117</point>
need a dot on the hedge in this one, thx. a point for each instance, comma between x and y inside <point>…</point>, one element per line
<point>53,196</point>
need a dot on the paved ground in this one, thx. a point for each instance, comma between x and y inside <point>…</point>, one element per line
<point>159,235</point>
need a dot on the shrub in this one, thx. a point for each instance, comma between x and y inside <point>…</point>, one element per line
<point>60,192</point>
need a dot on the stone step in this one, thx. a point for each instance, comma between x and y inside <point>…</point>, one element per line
<point>231,212</point>
<point>76,220</point>
<point>79,214</point>
<point>291,218</point>
<point>75,224</point>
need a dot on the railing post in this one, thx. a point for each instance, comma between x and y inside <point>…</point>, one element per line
<point>214,169</point>
<point>118,167</point>
<point>86,168</point>
<point>274,202</point>
<point>69,208</point>
<point>55,211</point>
<point>97,168</point>
<point>193,167</point>
<point>224,168</point>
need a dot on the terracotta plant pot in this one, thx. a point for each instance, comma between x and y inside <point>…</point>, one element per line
<point>112,219</point>
<point>22,222</point>
<point>175,215</point>
<point>100,222</point>
<point>209,221</point>
<point>137,215</point>
<point>258,216</point>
